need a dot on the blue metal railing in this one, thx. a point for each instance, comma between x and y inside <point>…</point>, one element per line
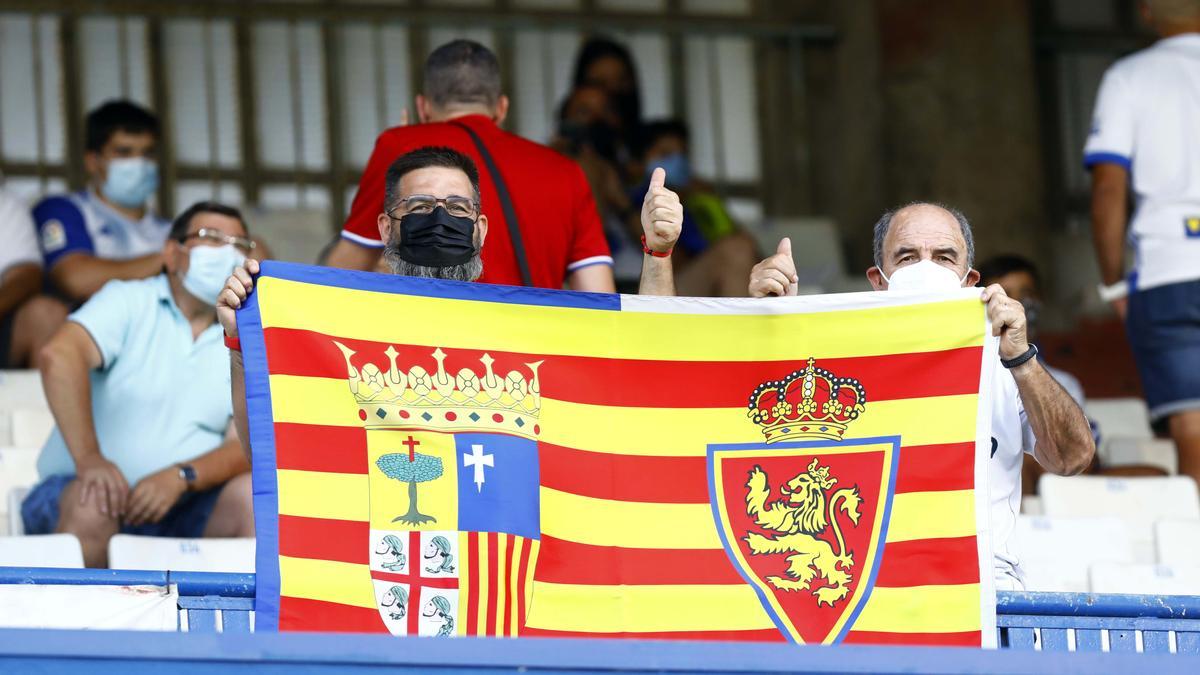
<point>1080,622</point>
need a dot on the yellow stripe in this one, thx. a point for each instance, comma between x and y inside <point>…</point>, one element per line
<point>464,585</point>
<point>514,583</point>
<point>314,494</point>
<point>603,522</point>
<point>535,546</point>
<point>501,573</point>
<point>932,515</point>
<point>558,330</point>
<point>646,609</point>
<point>650,431</point>
<point>921,609</point>
<point>481,610</point>
<point>340,582</point>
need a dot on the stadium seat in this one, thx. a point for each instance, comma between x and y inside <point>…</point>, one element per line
<point>1031,505</point>
<point>31,426</point>
<point>1177,542</point>
<point>1108,577</point>
<point>1137,501</point>
<point>16,526</point>
<point>18,469</point>
<point>43,550</point>
<point>1056,553</point>
<point>1126,451</point>
<point>21,389</point>
<point>131,552</point>
<point>1123,417</point>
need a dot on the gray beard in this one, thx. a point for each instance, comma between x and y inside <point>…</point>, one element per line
<point>468,271</point>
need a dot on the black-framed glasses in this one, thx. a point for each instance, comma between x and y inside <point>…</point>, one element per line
<point>219,238</point>
<point>456,205</point>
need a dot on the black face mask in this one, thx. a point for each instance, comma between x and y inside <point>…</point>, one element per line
<point>436,239</point>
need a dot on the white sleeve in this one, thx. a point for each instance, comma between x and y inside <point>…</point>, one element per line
<point>1111,136</point>
<point>1028,440</point>
<point>18,233</point>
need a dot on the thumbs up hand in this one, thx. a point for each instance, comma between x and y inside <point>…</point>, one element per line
<point>775,275</point>
<point>662,214</point>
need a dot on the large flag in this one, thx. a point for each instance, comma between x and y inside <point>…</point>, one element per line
<point>442,458</point>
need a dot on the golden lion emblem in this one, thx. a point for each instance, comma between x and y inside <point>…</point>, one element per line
<point>802,512</point>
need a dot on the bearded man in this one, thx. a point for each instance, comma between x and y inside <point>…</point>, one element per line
<point>435,229</point>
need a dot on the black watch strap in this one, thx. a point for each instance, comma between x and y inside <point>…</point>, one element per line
<point>1014,362</point>
<point>188,473</point>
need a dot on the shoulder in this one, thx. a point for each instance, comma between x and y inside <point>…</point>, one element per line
<point>63,208</point>
<point>132,291</point>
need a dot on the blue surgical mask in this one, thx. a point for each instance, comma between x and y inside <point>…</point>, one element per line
<point>130,181</point>
<point>209,268</point>
<point>677,166</point>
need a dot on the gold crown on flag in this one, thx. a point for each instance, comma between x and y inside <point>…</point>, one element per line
<point>419,399</point>
<point>807,404</point>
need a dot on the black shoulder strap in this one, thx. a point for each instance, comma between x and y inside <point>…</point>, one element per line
<point>510,214</point>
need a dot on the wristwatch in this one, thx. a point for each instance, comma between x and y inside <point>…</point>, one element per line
<point>188,473</point>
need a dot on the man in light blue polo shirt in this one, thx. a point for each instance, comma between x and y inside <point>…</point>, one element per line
<point>138,381</point>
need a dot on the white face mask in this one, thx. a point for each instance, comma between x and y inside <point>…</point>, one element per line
<point>208,269</point>
<point>925,275</point>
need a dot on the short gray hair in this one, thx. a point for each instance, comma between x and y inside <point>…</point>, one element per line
<point>462,72</point>
<point>885,223</point>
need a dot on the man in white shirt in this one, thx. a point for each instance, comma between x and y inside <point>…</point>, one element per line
<point>27,320</point>
<point>1146,129</point>
<point>926,246</point>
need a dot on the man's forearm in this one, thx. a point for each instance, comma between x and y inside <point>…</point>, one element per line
<point>237,378</point>
<point>1109,209</point>
<point>81,275</point>
<point>69,393</point>
<point>20,283</point>
<point>216,467</point>
<point>658,277</point>
<point>1064,439</point>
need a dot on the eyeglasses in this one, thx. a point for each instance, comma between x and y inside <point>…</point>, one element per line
<point>219,238</point>
<point>459,207</point>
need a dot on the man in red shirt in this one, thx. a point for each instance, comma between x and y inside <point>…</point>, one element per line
<point>560,234</point>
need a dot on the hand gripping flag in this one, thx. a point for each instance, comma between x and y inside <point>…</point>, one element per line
<point>441,458</point>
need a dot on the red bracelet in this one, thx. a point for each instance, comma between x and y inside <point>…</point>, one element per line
<point>233,343</point>
<point>656,254</point>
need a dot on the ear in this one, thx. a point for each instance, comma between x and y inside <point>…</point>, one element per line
<point>875,276</point>
<point>424,109</point>
<point>91,163</point>
<point>481,224</point>
<point>174,256</point>
<point>501,111</point>
<point>385,227</point>
<point>972,278</point>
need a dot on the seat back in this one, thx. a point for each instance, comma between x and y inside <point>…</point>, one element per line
<point>18,471</point>
<point>43,550</point>
<point>1177,542</point>
<point>132,552</point>
<point>1110,577</point>
<point>1056,553</point>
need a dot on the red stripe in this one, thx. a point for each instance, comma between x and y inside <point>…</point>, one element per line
<point>300,614</point>
<point>930,468</point>
<point>508,586</point>
<point>658,383</point>
<point>761,635</point>
<point>522,583</point>
<point>409,579</point>
<point>971,638</point>
<point>566,562</point>
<point>473,583</point>
<point>492,555</point>
<point>313,447</point>
<point>324,539</point>
<point>929,562</point>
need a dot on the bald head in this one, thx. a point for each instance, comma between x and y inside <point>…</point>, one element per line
<point>922,231</point>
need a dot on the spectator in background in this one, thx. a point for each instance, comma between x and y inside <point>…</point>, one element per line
<point>1145,130</point>
<point>716,254</point>
<point>608,65</point>
<point>27,320</point>
<point>462,106</point>
<point>106,231</point>
<point>138,381</point>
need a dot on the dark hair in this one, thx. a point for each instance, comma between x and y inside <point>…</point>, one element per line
<point>597,48</point>
<point>462,72</point>
<point>180,226</point>
<point>115,116</point>
<point>651,132</point>
<point>1002,265</point>
<point>423,158</point>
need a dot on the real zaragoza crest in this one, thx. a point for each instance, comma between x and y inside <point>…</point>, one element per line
<point>453,481</point>
<point>802,515</point>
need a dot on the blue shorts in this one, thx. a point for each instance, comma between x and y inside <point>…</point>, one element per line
<point>186,519</point>
<point>1163,324</point>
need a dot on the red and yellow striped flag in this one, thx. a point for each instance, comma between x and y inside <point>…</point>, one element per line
<point>504,461</point>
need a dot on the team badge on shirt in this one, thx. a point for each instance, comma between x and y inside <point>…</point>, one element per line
<point>1191,227</point>
<point>54,236</point>
<point>802,515</point>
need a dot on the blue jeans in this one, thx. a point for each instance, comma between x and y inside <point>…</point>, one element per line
<point>1163,324</point>
<point>187,518</point>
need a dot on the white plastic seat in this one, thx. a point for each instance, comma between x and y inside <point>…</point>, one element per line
<point>1146,579</point>
<point>1124,451</point>
<point>1031,505</point>
<point>1056,553</point>
<point>16,526</point>
<point>18,469</point>
<point>31,426</point>
<point>42,550</point>
<point>1124,417</point>
<point>21,389</point>
<point>1139,502</point>
<point>1177,542</point>
<point>132,552</point>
